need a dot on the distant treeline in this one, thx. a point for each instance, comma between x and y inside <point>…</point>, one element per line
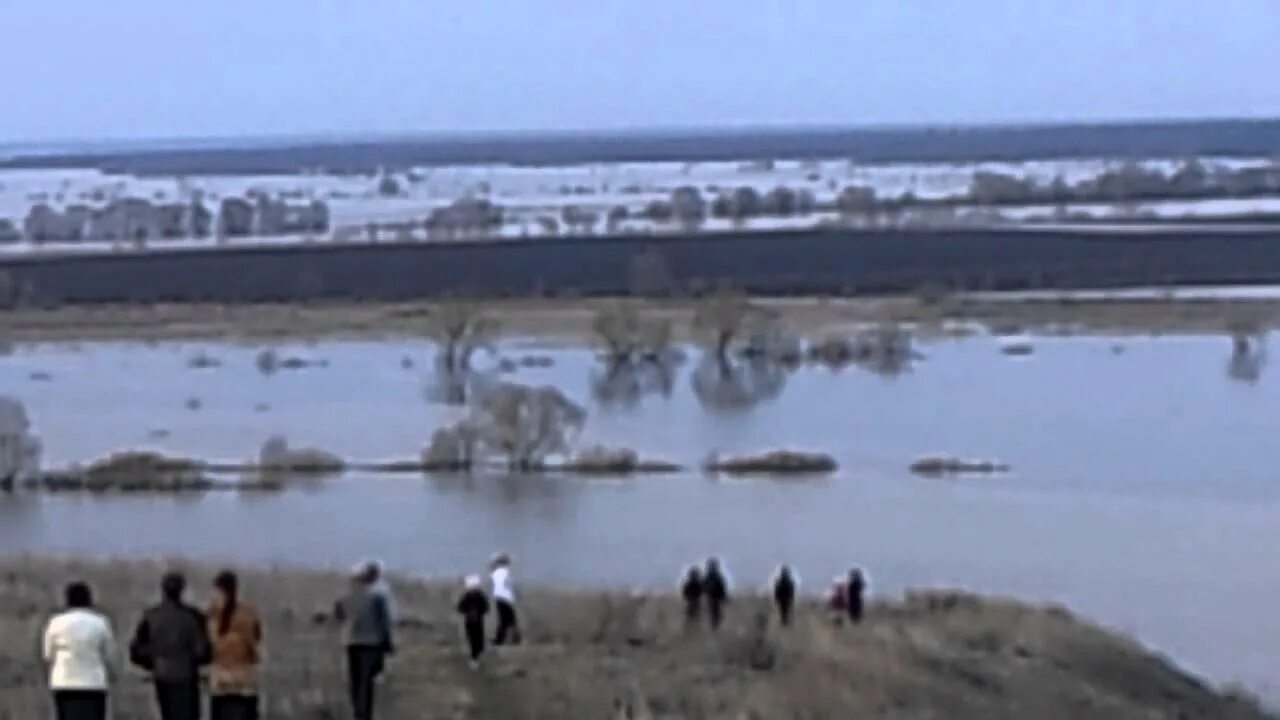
<point>1252,138</point>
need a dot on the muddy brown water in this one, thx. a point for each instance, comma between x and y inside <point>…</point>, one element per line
<point>1144,492</point>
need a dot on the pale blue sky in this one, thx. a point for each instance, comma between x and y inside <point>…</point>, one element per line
<point>156,68</point>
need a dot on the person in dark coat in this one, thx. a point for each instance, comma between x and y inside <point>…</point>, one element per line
<point>473,606</point>
<point>784,594</point>
<point>716,589</point>
<point>692,590</point>
<point>365,612</point>
<point>854,593</point>
<point>172,644</point>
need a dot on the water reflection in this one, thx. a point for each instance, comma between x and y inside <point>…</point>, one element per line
<point>729,385</point>
<point>625,384</point>
<point>1248,357</point>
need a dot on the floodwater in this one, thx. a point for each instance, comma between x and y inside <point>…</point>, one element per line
<point>1143,494</point>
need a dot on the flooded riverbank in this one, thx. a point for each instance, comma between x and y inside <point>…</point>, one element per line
<point>1141,492</point>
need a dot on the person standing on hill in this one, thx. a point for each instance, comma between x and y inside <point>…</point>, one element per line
<point>854,594</point>
<point>171,643</point>
<point>366,616</point>
<point>236,634</point>
<point>784,594</point>
<point>473,606</point>
<point>716,588</point>
<point>838,600</point>
<point>691,590</point>
<point>504,597</point>
<point>79,649</point>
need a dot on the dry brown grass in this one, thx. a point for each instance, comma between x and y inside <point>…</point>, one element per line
<point>571,320</point>
<point>934,655</point>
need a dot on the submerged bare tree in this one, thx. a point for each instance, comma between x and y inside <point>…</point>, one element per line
<point>19,448</point>
<point>638,356</point>
<point>524,425</point>
<point>1248,356</point>
<point>723,318</point>
<point>460,327</point>
<point>887,350</point>
<point>517,425</point>
<point>628,336</point>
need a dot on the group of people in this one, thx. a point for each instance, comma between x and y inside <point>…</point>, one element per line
<point>174,642</point>
<point>710,584</point>
<point>178,644</point>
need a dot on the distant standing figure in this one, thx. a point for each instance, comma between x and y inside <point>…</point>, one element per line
<point>784,594</point>
<point>236,635</point>
<point>171,643</point>
<point>692,590</point>
<point>856,590</point>
<point>838,600</point>
<point>504,597</point>
<point>716,588</point>
<point>79,649</point>
<point>473,606</point>
<point>366,616</point>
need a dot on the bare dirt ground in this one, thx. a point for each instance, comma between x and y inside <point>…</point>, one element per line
<point>933,655</point>
<point>569,320</point>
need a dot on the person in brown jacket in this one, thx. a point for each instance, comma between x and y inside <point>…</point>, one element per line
<point>236,635</point>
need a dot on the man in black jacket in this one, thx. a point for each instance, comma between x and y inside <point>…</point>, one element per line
<point>171,642</point>
<point>716,589</point>
<point>473,605</point>
<point>784,594</point>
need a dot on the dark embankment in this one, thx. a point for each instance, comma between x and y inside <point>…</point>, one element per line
<point>810,262</point>
<point>934,655</point>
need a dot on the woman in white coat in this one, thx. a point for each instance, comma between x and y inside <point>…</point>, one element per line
<point>80,651</point>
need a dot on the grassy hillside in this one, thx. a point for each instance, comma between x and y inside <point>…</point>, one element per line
<point>933,655</point>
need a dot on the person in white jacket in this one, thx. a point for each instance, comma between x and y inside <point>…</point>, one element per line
<point>504,597</point>
<point>79,648</point>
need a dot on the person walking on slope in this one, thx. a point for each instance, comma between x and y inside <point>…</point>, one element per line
<point>692,590</point>
<point>79,649</point>
<point>854,594</point>
<point>716,589</point>
<point>473,606</point>
<point>784,594</point>
<point>504,597</point>
<point>365,612</point>
<point>236,635</point>
<point>172,644</point>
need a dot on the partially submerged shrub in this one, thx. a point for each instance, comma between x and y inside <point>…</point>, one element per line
<point>202,361</point>
<point>940,465</point>
<point>142,470</point>
<point>452,449</point>
<point>276,456</point>
<point>777,462</point>
<point>600,460</point>
<point>267,361</point>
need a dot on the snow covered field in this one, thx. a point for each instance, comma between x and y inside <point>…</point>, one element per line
<point>537,201</point>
